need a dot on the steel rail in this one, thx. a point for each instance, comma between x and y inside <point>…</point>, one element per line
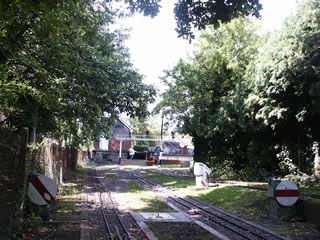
<point>258,231</point>
<point>96,189</point>
<point>112,211</point>
<point>221,221</point>
<point>105,217</point>
<point>117,214</point>
<point>267,231</point>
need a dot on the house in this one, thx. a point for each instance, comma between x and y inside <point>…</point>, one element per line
<point>120,128</point>
<point>108,149</point>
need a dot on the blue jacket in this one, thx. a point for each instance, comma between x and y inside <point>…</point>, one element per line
<point>157,150</point>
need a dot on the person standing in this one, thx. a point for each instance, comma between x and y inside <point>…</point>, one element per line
<point>157,150</point>
<point>131,153</point>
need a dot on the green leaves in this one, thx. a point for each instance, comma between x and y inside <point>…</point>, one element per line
<point>286,70</point>
<point>199,14</point>
<point>244,99</point>
<point>204,93</point>
<point>62,59</point>
<point>285,81</point>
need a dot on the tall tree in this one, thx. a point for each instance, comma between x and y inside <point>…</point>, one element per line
<point>287,84</point>
<point>199,90</point>
<point>62,68</point>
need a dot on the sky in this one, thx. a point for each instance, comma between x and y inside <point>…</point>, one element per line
<point>154,46</point>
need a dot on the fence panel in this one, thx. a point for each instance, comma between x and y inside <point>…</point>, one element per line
<point>13,175</point>
<point>18,163</point>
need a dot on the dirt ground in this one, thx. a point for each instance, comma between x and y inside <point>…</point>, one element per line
<point>53,232</point>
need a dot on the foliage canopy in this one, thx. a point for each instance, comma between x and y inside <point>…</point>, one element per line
<point>62,68</point>
<point>251,103</point>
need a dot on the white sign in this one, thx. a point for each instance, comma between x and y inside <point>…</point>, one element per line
<point>42,190</point>
<point>286,193</point>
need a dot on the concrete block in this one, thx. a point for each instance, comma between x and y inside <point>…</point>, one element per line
<point>284,213</point>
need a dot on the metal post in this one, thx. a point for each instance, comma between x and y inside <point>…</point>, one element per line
<point>120,149</point>
<point>161,127</point>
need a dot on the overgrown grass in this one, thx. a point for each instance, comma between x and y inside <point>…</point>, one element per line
<point>142,200</point>
<point>177,183</point>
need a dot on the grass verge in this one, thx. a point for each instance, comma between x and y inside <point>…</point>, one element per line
<point>235,200</point>
<point>68,201</point>
<point>170,165</point>
<point>176,183</point>
<point>246,203</point>
<point>142,200</point>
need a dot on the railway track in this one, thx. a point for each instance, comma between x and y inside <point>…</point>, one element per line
<point>227,224</point>
<point>115,228</point>
<point>224,222</point>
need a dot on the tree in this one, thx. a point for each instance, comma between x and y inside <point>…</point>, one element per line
<point>201,90</point>
<point>286,84</point>
<point>145,127</point>
<point>63,69</point>
<point>199,14</point>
